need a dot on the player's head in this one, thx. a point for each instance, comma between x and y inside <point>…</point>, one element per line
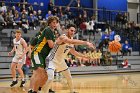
<point>71,30</point>
<point>53,22</point>
<point>18,33</point>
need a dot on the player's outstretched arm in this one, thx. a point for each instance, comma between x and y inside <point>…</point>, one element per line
<point>64,39</point>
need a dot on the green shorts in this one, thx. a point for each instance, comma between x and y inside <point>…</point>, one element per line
<point>38,60</point>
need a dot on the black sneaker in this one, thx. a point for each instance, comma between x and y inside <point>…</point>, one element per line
<point>51,91</point>
<point>14,83</point>
<point>34,92</point>
<point>22,84</point>
<point>30,91</point>
<point>74,92</point>
<point>39,89</point>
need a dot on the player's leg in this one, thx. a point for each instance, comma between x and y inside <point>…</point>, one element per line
<point>20,71</point>
<point>31,83</point>
<point>39,64</point>
<point>13,72</point>
<point>68,77</point>
<point>40,78</point>
<point>44,78</point>
<point>48,84</point>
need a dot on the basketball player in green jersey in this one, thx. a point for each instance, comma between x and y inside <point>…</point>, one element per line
<point>40,52</point>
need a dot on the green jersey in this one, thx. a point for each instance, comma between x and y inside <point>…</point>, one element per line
<point>34,40</point>
<point>42,46</point>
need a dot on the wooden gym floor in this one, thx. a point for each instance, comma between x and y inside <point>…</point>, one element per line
<point>94,83</point>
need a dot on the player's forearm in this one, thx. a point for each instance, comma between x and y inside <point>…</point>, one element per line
<point>77,54</point>
<point>25,51</point>
<point>78,42</point>
<point>12,51</point>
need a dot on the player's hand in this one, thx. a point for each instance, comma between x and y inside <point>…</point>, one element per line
<point>90,45</point>
<point>10,54</point>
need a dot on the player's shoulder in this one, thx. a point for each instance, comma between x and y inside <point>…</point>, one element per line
<point>22,40</point>
<point>63,36</point>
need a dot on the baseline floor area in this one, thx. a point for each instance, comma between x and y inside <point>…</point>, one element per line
<point>94,83</point>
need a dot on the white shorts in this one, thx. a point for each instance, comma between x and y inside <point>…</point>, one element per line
<point>21,61</point>
<point>58,67</point>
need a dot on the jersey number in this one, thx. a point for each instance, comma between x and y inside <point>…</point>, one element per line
<point>65,50</point>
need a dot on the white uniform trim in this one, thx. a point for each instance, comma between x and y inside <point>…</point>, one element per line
<point>36,58</point>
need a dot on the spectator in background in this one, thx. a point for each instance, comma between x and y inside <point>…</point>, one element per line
<point>124,19</point>
<point>50,5</point>
<point>48,15</point>
<point>18,7</point>
<point>17,20</point>
<point>30,10</point>
<point>10,19</point>
<point>40,17</point>
<point>4,7</point>
<point>111,35</point>
<point>55,11</point>
<point>14,11</point>
<point>2,21</point>
<point>106,58</point>
<point>118,19</point>
<point>104,40</point>
<point>31,21</point>
<point>90,28</point>
<point>126,48</point>
<point>22,7</point>
<point>24,23</point>
<point>125,63</point>
<point>68,12</point>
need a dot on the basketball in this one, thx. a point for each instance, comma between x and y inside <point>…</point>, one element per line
<point>114,46</point>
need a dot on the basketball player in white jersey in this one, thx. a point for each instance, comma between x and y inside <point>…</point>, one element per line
<point>20,49</point>
<point>55,60</point>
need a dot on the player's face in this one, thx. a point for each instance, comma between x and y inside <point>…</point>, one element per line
<point>54,24</point>
<point>71,31</point>
<point>18,35</point>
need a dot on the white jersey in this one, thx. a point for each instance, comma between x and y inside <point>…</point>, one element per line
<point>59,52</point>
<point>18,47</point>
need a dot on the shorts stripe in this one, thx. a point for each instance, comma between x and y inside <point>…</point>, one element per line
<point>36,58</point>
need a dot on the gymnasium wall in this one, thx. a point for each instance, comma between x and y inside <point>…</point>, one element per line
<point>120,5</point>
<point>84,3</point>
<point>113,4</point>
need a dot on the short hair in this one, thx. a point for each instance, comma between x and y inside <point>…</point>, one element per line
<point>71,25</point>
<point>18,31</point>
<point>52,18</point>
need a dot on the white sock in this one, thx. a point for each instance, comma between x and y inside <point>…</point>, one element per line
<point>23,79</point>
<point>14,79</point>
